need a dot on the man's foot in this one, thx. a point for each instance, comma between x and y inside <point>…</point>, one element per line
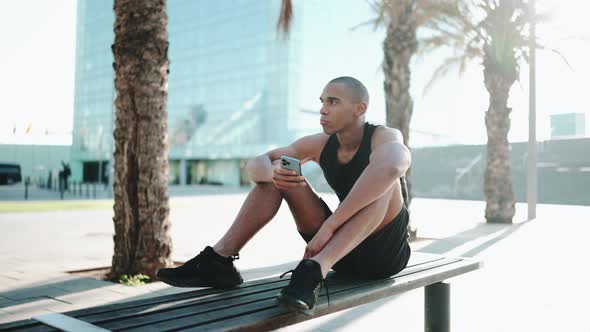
<point>304,288</point>
<point>207,269</point>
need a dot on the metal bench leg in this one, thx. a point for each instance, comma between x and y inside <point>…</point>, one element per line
<point>437,313</point>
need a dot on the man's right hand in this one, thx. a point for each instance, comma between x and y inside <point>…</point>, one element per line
<point>285,179</point>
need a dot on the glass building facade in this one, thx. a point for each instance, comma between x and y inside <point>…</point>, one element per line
<point>92,139</point>
<point>233,89</point>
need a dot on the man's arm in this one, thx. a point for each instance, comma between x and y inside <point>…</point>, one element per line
<point>260,169</point>
<point>389,160</point>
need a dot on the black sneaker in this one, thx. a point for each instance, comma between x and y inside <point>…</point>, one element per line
<point>304,287</point>
<point>207,269</point>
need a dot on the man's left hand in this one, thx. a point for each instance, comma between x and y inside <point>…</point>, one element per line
<point>318,242</point>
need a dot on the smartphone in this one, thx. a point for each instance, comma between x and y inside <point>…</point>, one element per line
<point>291,164</point>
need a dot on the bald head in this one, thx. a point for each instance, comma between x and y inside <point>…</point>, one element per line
<point>359,91</point>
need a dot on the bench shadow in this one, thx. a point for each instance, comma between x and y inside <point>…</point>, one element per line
<point>495,232</point>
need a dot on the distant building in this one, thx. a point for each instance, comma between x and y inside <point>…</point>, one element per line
<point>568,125</point>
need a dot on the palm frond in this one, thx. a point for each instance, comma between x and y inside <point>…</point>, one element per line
<point>556,51</point>
<point>389,12</point>
<point>285,17</point>
<point>380,8</point>
<point>456,32</point>
<point>429,44</point>
<point>450,63</point>
<point>443,11</point>
<point>375,22</point>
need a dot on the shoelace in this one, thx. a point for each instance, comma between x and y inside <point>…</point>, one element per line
<point>322,284</point>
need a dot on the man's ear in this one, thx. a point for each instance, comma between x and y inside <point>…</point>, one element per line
<point>360,109</point>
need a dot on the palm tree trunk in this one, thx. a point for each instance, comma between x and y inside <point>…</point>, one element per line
<point>498,192</point>
<point>399,46</point>
<point>142,243</point>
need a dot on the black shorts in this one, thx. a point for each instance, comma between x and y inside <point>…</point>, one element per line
<point>380,255</point>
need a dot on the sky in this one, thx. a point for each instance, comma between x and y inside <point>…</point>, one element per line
<point>38,61</point>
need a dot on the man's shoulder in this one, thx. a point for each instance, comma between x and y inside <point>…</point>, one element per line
<point>384,134</point>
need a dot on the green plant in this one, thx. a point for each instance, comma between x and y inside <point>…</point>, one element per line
<point>135,280</point>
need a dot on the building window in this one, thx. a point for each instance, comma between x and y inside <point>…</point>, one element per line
<point>197,172</point>
<point>174,172</point>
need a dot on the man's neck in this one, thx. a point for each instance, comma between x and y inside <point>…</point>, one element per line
<point>351,138</point>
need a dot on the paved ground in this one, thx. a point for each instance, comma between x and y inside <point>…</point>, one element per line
<point>535,277</point>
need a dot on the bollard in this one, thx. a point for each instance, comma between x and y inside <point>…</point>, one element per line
<point>61,188</point>
<point>87,190</point>
<point>27,188</point>
<point>94,190</point>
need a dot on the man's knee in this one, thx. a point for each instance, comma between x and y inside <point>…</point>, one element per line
<point>288,194</point>
<point>266,188</point>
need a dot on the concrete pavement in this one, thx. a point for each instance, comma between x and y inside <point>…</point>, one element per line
<point>535,275</point>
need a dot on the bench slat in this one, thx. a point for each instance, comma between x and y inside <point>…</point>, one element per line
<point>28,325</point>
<point>67,323</point>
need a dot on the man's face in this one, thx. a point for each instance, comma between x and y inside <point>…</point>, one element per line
<point>339,109</point>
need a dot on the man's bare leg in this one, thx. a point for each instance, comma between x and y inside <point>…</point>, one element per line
<point>261,205</point>
<point>353,232</point>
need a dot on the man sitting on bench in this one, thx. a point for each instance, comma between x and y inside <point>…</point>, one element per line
<point>366,236</point>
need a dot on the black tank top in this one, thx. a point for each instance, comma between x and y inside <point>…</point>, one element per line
<point>341,177</point>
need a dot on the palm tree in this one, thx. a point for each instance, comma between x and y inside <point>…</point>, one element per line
<point>495,32</point>
<point>142,243</point>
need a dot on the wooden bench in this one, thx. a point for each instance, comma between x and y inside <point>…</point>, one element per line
<point>253,306</point>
